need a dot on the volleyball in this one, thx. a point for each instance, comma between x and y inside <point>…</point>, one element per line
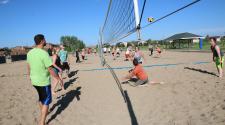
<point>150,19</point>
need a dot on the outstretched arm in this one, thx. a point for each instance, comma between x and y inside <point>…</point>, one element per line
<point>128,76</point>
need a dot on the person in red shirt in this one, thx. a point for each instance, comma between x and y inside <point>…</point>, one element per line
<point>139,73</point>
<point>137,76</point>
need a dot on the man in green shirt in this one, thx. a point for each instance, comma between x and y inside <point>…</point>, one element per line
<point>39,70</point>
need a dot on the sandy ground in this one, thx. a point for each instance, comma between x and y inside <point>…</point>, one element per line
<point>192,94</point>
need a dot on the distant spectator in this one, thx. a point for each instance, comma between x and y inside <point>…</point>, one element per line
<point>150,48</point>
<point>77,56</point>
<point>218,56</point>
<point>83,54</point>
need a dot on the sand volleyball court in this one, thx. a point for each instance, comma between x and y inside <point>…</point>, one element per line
<point>192,93</point>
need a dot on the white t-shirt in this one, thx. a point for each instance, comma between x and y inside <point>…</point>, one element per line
<point>117,50</point>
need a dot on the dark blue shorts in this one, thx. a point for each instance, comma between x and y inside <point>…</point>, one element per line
<point>45,95</point>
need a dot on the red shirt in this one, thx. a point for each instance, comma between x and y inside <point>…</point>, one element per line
<point>140,73</point>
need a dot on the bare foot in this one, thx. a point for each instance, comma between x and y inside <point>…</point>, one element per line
<point>153,83</point>
<point>161,83</point>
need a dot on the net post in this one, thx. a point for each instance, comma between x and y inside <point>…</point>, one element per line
<point>100,48</point>
<point>137,19</point>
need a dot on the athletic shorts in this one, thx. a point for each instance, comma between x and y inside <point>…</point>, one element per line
<point>136,82</point>
<point>217,61</point>
<point>56,70</point>
<point>65,66</point>
<point>44,93</point>
<point>83,57</point>
<point>141,82</point>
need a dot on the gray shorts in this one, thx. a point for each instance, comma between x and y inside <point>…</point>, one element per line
<point>135,82</point>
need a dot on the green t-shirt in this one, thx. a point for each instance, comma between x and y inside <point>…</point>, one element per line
<point>39,61</point>
<point>63,55</point>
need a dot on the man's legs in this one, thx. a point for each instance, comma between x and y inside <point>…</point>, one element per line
<point>44,113</point>
<point>45,98</point>
<point>78,59</point>
<point>221,68</point>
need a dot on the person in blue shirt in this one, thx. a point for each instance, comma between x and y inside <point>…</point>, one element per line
<point>63,55</point>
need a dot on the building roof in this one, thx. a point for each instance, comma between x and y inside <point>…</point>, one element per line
<point>185,35</point>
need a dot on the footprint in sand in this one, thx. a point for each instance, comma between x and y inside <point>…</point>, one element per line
<point>2,75</point>
<point>223,107</point>
<point>9,117</point>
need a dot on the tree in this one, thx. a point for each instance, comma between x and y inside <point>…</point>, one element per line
<point>223,40</point>
<point>120,44</point>
<point>72,43</point>
<point>107,45</point>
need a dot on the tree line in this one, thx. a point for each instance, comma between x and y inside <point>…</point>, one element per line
<point>72,43</point>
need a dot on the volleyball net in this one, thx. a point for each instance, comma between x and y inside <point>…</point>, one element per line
<point>123,19</point>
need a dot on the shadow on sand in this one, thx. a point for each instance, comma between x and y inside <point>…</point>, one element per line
<point>71,81</point>
<point>130,109</point>
<point>72,73</point>
<point>201,71</point>
<point>64,102</point>
<point>125,96</point>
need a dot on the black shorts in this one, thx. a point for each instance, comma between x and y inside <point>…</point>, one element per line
<point>44,93</point>
<point>65,66</point>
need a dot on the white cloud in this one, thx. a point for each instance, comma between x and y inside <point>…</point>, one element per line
<point>4,1</point>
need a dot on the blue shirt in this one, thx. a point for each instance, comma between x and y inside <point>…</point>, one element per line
<point>63,55</point>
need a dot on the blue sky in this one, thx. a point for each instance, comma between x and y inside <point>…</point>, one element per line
<point>20,20</point>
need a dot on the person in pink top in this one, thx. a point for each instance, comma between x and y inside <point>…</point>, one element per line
<point>83,54</point>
